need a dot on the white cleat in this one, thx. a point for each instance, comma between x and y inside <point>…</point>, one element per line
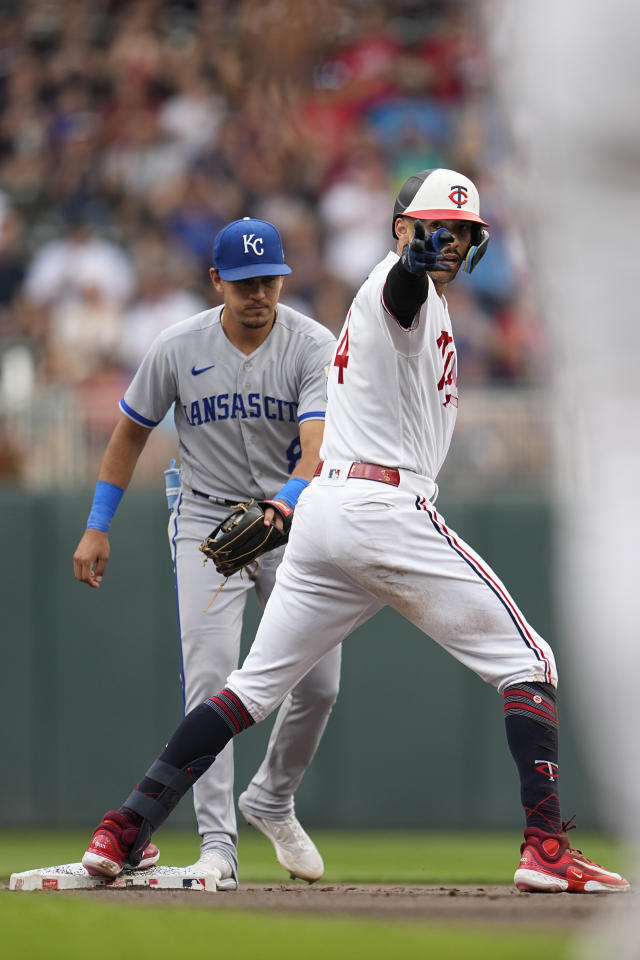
<point>295,850</point>
<point>213,864</point>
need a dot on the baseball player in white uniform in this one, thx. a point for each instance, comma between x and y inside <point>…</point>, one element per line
<point>366,533</point>
<point>247,382</point>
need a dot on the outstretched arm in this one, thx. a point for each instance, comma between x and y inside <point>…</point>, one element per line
<point>407,285</point>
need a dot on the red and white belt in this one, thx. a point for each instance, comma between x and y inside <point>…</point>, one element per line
<point>369,471</point>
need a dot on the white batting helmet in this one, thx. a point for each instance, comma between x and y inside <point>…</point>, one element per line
<point>444,195</point>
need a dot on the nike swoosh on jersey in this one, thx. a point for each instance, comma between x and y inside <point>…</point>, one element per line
<point>195,371</point>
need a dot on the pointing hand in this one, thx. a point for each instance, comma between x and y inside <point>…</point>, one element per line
<point>424,253</point>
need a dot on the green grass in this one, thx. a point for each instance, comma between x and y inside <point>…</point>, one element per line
<point>35,926</point>
<point>39,926</point>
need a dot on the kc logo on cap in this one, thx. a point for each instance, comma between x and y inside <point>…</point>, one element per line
<point>250,242</point>
<point>249,248</point>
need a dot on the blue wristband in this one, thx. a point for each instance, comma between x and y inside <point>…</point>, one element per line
<point>105,503</point>
<point>291,491</point>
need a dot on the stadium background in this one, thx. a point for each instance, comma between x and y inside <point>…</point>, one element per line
<point>129,133</point>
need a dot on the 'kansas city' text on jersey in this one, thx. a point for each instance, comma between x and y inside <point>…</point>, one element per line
<point>237,415</point>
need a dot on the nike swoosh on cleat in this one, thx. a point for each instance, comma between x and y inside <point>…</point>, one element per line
<point>594,868</point>
<point>195,371</point>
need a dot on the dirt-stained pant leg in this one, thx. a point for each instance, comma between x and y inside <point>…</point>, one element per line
<point>439,583</point>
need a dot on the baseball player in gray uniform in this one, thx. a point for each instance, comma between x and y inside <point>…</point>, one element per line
<point>247,382</point>
<point>366,533</point>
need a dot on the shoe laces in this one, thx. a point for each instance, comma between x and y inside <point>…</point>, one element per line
<point>570,825</point>
<point>293,825</point>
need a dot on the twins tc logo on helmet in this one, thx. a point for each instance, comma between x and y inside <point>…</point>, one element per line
<point>459,196</point>
<point>249,241</point>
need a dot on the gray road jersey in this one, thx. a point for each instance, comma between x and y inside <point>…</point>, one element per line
<point>237,416</point>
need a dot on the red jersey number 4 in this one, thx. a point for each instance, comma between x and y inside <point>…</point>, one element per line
<point>341,359</point>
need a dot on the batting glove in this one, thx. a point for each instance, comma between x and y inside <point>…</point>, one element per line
<point>425,250</point>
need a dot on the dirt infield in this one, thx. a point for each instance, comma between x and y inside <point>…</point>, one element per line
<point>447,904</point>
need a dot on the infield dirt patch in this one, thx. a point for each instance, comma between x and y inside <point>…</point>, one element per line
<point>448,904</point>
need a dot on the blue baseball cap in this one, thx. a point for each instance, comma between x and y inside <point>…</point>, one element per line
<point>249,248</point>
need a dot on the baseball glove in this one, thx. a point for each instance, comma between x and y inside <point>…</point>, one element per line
<point>242,536</point>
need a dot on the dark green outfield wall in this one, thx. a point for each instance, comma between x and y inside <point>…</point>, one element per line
<point>90,689</point>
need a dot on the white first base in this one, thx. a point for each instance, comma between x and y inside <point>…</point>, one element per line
<point>73,876</point>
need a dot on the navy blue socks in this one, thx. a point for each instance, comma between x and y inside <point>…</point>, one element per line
<point>532,733</point>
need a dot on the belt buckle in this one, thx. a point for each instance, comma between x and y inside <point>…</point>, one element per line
<point>387,475</point>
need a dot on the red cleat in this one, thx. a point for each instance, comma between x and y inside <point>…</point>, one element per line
<point>548,864</point>
<point>106,855</point>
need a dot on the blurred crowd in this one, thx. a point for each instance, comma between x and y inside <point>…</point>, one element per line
<point>131,130</point>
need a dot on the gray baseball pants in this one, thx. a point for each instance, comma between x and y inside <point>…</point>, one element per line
<point>210,650</point>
